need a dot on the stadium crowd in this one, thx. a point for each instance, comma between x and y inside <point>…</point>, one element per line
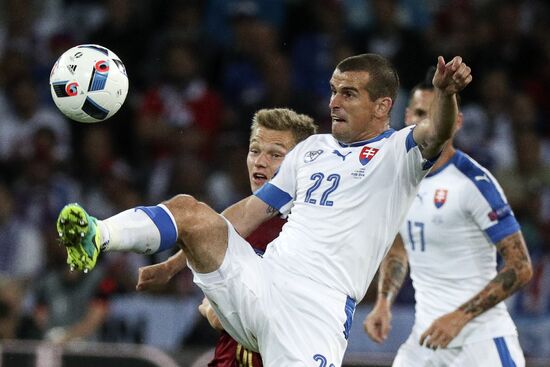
<point>198,70</point>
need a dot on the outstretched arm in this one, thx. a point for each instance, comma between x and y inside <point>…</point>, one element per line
<point>153,276</point>
<point>248,214</point>
<point>390,279</point>
<point>431,134</point>
<point>515,273</point>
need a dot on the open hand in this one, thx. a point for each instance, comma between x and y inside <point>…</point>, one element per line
<point>453,76</point>
<point>443,330</point>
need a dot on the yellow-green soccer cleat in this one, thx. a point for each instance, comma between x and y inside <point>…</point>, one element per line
<point>79,234</point>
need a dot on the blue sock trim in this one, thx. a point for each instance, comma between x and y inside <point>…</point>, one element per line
<point>168,232</point>
<point>504,353</point>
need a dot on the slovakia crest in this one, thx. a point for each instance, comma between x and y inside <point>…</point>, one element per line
<point>440,197</point>
<point>367,153</point>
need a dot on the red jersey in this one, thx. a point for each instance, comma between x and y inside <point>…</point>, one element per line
<point>228,352</point>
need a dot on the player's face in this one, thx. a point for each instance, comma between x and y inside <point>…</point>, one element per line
<point>351,107</point>
<point>265,154</point>
<point>419,105</point>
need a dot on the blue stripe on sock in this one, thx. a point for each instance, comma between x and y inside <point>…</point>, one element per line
<point>504,353</point>
<point>168,232</point>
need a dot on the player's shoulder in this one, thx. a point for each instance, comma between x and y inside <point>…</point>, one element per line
<point>474,173</point>
<point>468,166</point>
<point>316,141</point>
<point>402,137</point>
<point>319,138</point>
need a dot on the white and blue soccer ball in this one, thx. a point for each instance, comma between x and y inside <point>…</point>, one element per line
<point>89,83</point>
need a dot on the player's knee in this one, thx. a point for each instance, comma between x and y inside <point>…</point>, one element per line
<point>191,215</point>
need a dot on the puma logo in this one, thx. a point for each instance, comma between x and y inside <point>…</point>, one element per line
<point>341,155</point>
<point>481,178</point>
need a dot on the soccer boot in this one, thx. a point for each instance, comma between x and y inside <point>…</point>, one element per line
<point>79,233</point>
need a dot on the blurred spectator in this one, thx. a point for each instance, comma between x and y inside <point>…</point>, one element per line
<point>219,14</point>
<point>389,36</point>
<point>42,189</point>
<point>318,44</point>
<point>183,173</point>
<point>16,25</point>
<point>509,47</point>
<point>242,73</point>
<point>14,324</point>
<point>228,183</point>
<point>109,182</point>
<point>487,133</point>
<point>18,240</point>
<point>70,305</point>
<point>181,99</point>
<point>26,117</point>
<point>125,20</point>
<point>527,184</point>
<point>14,65</point>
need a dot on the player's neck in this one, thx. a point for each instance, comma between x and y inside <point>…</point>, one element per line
<point>372,133</point>
<point>447,153</point>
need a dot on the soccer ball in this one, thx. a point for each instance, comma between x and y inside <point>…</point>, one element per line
<point>88,83</point>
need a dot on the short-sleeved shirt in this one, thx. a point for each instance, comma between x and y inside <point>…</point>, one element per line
<point>450,232</point>
<point>346,203</point>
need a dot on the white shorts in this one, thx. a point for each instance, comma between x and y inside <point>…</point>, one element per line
<point>291,320</point>
<point>498,352</point>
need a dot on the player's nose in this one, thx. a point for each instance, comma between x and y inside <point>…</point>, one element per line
<point>261,160</point>
<point>334,102</point>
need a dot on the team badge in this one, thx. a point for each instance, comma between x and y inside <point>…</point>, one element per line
<point>312,155</point>
<point>367,153</point>
<point>440,197</point>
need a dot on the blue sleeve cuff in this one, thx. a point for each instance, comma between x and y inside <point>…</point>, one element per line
<point>273,196</point>
<point>503,229</point>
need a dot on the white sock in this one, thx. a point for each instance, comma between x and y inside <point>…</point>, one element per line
<point>144,230</point>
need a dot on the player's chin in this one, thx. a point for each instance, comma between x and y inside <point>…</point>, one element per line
<point>256,183</point>
<point>340,132</point>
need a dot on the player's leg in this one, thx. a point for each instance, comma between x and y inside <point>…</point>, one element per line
<point>202,233</point>
<point>412,354</point>
<point>146,230</point>
<point>307,324</point>
<point>236,289</point>
<point>502,351</point>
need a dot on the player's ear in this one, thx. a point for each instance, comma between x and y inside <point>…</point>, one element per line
<point>383,106</point>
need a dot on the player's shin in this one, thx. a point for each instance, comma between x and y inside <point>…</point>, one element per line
<point>143,230</point>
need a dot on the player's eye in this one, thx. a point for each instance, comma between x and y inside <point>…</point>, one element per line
<point>421,113</point>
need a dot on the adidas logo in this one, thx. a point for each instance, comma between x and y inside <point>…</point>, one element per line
<point>72,68</point>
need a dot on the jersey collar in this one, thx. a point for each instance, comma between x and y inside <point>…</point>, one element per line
<point>385,134</point>
<point>452,160</point>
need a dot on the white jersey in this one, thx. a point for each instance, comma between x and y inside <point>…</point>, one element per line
<point>346,204</point>
<point>458,215</point>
